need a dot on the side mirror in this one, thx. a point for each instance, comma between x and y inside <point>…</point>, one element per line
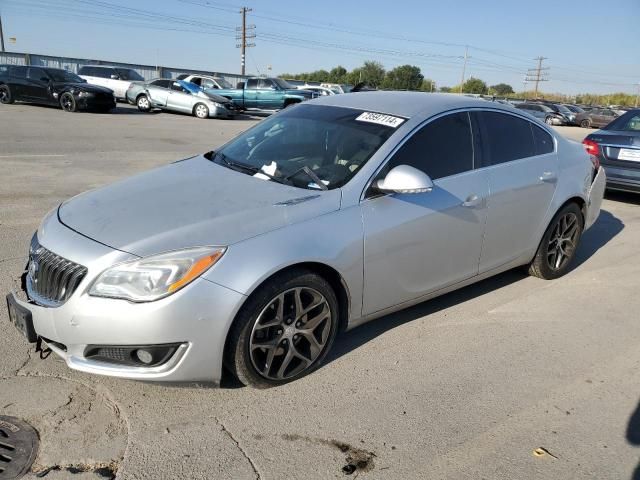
<point>115,77</point>
<point>405,179</point>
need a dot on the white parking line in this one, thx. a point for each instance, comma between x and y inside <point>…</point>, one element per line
<point>18,155</point>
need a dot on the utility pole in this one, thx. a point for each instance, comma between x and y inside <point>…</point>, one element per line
<point>244,33</point>
<point>464,65</point>
<point>537,74</point>
<point>1,36</point>
<point>524,87</point>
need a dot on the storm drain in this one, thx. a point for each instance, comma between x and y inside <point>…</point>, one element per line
<point>18,447</point>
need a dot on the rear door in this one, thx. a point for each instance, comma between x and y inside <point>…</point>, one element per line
<point>18,82</point>
<point>522,166</point>
<point>251,93</point>
<point>420,242</point>
<point>158,91</point>
<point>38,85</point>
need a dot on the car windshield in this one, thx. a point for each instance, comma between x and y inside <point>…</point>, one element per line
<point>64,76</point>
<point>307,144</point>
<point>629,122</point>
<point>128,74</point>
<point>223,83</point>
<point>575,109</point>
<point>282,84</point>
<point>564,109</point>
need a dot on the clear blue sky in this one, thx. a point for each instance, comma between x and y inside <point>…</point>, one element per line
<point>591,45</point>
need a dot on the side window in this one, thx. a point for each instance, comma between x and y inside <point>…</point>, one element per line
<point>36,74</point>
<point>161,83</point>
<point>196,81</point>
<point>441,148</point>
<point>543,142</point>
<point>99,72</point>
<point>20,72</point>
<point>265,84</point>
<point>207,83</point>
<point>252,83</point>
<point>506,137</point>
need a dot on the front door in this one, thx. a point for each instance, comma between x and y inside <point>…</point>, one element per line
<point>180,99</point>
<point>418,243</point>
<point>38,85</point>
<point>522,166</point>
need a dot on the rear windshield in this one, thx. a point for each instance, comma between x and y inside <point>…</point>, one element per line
<point>332,143</point>
<point>629,122</point>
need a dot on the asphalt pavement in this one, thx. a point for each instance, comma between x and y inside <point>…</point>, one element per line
<point>511,378</point>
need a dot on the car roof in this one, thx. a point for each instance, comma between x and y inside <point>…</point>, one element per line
<point>407,104</point>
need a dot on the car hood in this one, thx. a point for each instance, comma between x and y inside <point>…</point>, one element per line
<point>87,87</point>
<point>190,203</point>
<point>301,93</point>
<point>212,96</point>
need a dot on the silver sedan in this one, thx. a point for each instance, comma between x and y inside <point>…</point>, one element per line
<point>327,215</point>
<point>184,97</point>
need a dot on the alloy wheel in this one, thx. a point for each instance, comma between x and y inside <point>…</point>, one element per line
<point>290,333</point>
<point>201,111</point>
<point>4,95</point>
<point>563,241</point>
<point>67,102</point>
<point>143,103</point>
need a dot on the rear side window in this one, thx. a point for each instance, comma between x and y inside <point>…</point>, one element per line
<point>441,148</point>
<point>35,73</point>
<point>20,72</point>
<point>99,72</point>
<point>505,137</point>
<point>161,83</point>
<point>252,83</point>
<point>542,141</point>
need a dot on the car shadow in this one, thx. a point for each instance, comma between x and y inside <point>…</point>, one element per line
<point>633,436</point>
<point>606,227</point>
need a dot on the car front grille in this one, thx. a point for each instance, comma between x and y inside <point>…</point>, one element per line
<point>51,279</point>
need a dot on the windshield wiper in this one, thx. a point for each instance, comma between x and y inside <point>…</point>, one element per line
<point>250,169</point>
<point>310,173</point>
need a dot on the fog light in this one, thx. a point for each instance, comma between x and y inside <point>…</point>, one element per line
<point>144,356</point>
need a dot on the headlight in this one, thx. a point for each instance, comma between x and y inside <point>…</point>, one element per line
<point>218,105</point>
<point>84,94</point>
<point>154,277</point>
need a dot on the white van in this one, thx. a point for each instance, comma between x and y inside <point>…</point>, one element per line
<point>117,79</point>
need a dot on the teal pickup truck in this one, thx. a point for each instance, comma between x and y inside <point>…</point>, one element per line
<point>264,94</point>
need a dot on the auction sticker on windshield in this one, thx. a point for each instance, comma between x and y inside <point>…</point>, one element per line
<point>380,119</point>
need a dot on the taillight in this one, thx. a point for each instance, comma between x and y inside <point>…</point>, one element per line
<point>593,149</point>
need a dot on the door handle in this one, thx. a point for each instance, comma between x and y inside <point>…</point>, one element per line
<point>472,201</point>
<point>549,177</point>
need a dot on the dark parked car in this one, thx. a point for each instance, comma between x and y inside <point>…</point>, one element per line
<point>617,147</point>
<point>52,86</point>
<point>596,117</point>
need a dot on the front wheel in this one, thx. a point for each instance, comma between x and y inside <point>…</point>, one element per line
<point>201,111</point>
<point>559,244</point>
<point>549,120</point>
<point>5,95</point>
<point>284,331</point>
<point>67,102</point>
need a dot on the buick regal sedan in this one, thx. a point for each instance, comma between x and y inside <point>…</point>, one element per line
<point>327,215</point>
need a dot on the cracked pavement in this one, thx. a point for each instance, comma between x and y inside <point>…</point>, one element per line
<point>468,385</point>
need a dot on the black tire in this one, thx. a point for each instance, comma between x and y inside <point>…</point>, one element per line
<point>200,110</point>
<point>68,103</point>
<point>548,120</point>
<point>546,264</point>
<point>5,95</point>
<point>586,123</point>
<point>238,359</point>
<point>143,103</point>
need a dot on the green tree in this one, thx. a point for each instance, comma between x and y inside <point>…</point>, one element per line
<point>338,74</point>
<point>446,89</point>
<point>318,76</point>
<point>428,85</point>
<point>372,73</point>
<point>502,89</point>
<point>474,85</point>
<point>404,77</point>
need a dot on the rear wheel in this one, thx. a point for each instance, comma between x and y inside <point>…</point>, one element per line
<point>143,103</point>
<point>201,111</point>
<point>586,123</point>
<point>549,120</point>
<point>5,94</point>
<point>284,331</point>
<point>559,244</point>
<point>68,103</point>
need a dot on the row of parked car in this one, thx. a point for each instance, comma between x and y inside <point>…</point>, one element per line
<point>566,114</point>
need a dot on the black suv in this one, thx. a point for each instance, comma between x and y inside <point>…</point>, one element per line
<point>52,86</point>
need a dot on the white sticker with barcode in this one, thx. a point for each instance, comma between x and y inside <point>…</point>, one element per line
<point>380,119</point>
